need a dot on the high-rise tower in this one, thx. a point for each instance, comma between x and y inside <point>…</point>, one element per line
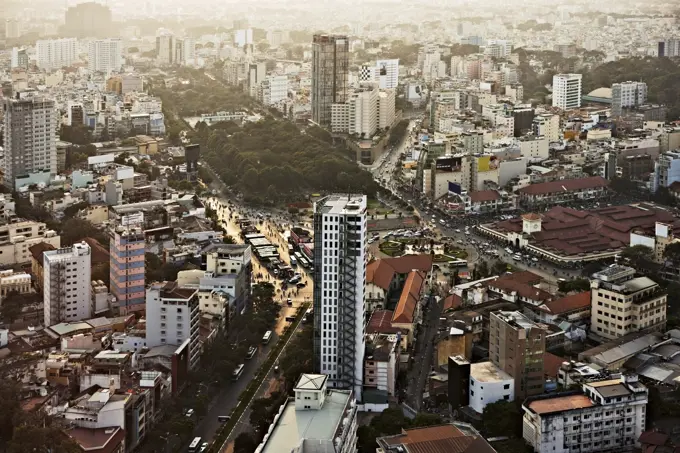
<point>330,76</point>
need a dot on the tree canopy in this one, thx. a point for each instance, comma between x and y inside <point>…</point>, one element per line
<point>272,160</point>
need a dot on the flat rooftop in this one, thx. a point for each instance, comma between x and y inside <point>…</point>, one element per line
<point>488,372</point>
<point>560,404</point>
<point>342,204</point>
<point>318,425</point>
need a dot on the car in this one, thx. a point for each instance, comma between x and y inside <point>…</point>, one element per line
<point>204,447</point>
<point>457,230</point>
<point>189,413</point>
<point>301,284</point>
<point>223,418</point>
<point>289,302</point>
<point>294,280</point>
<point>535,260</point>
<point>459,241</point>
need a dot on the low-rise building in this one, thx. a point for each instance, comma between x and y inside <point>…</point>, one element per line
<point>452,438</point>
<point>563,191</point>
<point>489,384</point>
<point>606,415</point>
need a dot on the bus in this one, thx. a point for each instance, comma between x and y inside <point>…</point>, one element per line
<point>293,261</point>
<point>237,372</point>
<point>195,445</point>
<point>267,336</point>
<point>300,258</point>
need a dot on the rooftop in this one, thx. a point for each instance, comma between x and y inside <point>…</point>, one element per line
<point>405,310</point>
<point>341,204</point>
<point>102,440</point>
<point>484,195</point>
<point>565,185</point>
<point>294,426</point>
<point>171,290</point>
<point>381,272</point>
<point>381,322</point>
<point>560,404</point>
<point>311,382</point>
<point>567,304</point>
<point>453,438</point>
<point>570,232</point>
<point>488,372</point>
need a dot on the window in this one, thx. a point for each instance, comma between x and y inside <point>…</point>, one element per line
<point>506,386</point>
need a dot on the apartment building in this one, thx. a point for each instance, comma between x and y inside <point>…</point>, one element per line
<point>566,93</point>
<point>229,271</point>
<point>67,284</point>
<point>534,148</point>
<point>516,347</point>
<point>273,89</point>
<point>105,55</point>
<point>172,317</point>
<point>666,170</point>
<point>17,239</point>
<point>626,95</point>
<point>607,415</point>
<point>339,289</point>
<point>52,54</point>
<point>384,72</point>
<point>30,137</point>
<point>547,125</point>
<point>623,304</point>
<point>127,247</point>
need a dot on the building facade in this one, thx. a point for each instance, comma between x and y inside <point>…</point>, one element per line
<point>516,346</point>
<point>105,55</point>
<point>30,136</point>
<point>608,415</point>
<point>339,289</point>
<point>566,93</point>
<point>52,54</point>
<point>627,95</point>
<point>330,75</point>
<point>67,284</point>
<point>127,249</point>
<point>622,304</point>
<point>172,317</point>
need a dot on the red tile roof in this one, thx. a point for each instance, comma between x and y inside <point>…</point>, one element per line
<point>100,254</point>
<point>410,295</point>
<point>381,272</point>
<point>484,195</point>
<point>569,232</point>
<point>551,364</point>
<point>565,185</point>
<point>100,440</point>
<point>439,439</point>
<point>38,249</point>
<point>381,322</point>
<point>522,284</point>
<point>653,438</point>
<point>452,302</point>
<point>567,304</point>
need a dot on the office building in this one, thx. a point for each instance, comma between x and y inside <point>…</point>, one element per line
<point>669,48</point>
<point>105,55</point>
<point>339,289</point>
<point>383,72</point>
<point>608,415</point>
<point>67,284</point>
<point>257,72</point>
<point>330,75</point>
<point>566,93</point>
<point>127,248</point>
<point>52,54</point>
<point>172,51</point>
<point>516,346</point>
<point>316,418</point>
<point>622,304</point>
<point>30,136</point>
<point>172,317</point>
<point>628,95</point>
<point>88,20</point>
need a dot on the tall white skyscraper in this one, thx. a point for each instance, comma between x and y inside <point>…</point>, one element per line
<point>384,72</point>
<point>105,55</point>
<point>67,284</point>
<point>52,54</point>
<point>30,136</point>
<point>339,289</point>
<point>567,91</point>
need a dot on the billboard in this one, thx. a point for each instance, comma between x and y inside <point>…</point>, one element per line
<point>454,187</point>
<point>449,163</point>
<point>487,163</point>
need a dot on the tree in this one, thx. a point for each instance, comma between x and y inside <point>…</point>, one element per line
<point>245,443</point>
<point>502,418</point>
<point>672,252</point>
<point>12,306</point>
<point>579,285</point>
<point>640,257</point>
<point>75,229</point>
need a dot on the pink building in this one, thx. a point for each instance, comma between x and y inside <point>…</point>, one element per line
<point>127,268</point>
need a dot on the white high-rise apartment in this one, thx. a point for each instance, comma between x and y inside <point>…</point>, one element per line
<point>627,94</point>
<point>339,289</point>
<point>384,72</point>
<point>105,55</point>
<point>188,51</point>
<point>52,54</point>
<point>172,317</point>
<point>567,91</point>
<point>274,89</point>
<point>386,108</point>
<point>165,48</point>
<point>67,284</point>
<point>30,136</point>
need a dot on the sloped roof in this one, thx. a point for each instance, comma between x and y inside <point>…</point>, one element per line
<point>568,304</point>
<point>381,272</point>
<point>311,382</point>
<point>452,302</point>
<point>484,195</point>
<point>406,307</point>
<point>99,254</point>
<point>602,92</point>
<point>38,249</point>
